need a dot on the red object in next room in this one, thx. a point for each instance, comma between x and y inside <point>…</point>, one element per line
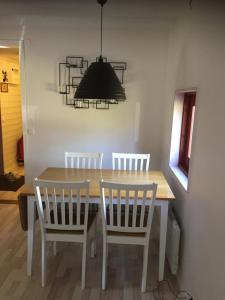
<point>20,151</point>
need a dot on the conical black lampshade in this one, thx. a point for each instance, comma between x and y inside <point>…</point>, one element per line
<point>100,82</point>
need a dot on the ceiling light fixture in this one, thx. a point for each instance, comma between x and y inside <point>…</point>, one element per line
<point>100,83</point>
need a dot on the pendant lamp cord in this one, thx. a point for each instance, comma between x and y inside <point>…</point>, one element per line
<point>101,29</point>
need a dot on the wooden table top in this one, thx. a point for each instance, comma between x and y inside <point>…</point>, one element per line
<point>131,177</point>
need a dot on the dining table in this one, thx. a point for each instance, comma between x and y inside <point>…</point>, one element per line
<point>164,195</point>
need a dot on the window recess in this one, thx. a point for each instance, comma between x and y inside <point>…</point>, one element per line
<point>182,132</point>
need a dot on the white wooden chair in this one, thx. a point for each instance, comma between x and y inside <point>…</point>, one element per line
<point>127,226</point>
<point>63,215</point>
<point>92,160</point>
<point>130,161</point>
<point>83,160</point>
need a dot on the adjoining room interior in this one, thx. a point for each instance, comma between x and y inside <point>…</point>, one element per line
<point>11,133</point>
<point>167,103</point>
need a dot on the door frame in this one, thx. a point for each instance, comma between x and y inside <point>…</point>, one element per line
<point>20,44</point>
<point>1,144</point>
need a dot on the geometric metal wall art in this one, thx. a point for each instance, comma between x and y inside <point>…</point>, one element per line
<point>70,74</point>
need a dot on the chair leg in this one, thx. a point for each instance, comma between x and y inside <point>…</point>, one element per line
<point>54,249</point>
<point>104,264</point>
<point>93,241</point>
<point>145,268</point>
<point>93,248</point>
<point>107,251</point>
<point>43,262</point>
<point>83,265</point>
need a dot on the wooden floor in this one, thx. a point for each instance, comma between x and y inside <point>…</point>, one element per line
<point>64,270</point>
<point>8,197</point>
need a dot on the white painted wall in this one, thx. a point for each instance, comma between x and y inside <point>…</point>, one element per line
<point>197,59</point>
<point>58,128</point>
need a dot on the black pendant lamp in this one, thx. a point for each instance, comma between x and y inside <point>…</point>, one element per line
<point>100,80</point>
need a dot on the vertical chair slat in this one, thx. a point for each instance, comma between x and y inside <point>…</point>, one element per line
<point>134,216</point>
<point>72,162</point>
<point>141,164</point>
<point>147,162</point>
<point>86,210</point>
<point>130,164</point>
<point>143,209</point>
<point>78,206</point>
<point>71,207</point>
<point>119,163</point>
<point>55,207</point>
<point>103,205</point>
<point>89,163</point>
<point>113,162</point>
<point>111,207</point>
<point>150,215</point>
<point>118,208</point>
<point>78,162</point>
<point>124,164</point>
<point>63,207</point>
<point>136,164</point>
<point>127,208</point>
<point>83,162</point>
<point>66,160</point>
<point>47,208</point>
<point>40,204</point>
<point>42,196</point>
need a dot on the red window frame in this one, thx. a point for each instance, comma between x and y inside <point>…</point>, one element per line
<point>186,131</point>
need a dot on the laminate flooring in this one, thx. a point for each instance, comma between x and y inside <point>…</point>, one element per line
<point>64,270</point>
<point>9,197</point>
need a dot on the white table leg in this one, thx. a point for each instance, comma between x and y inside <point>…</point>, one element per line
<point>162,243</point>
<point>93,241</point>
<point>30,233</point>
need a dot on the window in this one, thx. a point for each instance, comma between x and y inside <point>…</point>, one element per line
<point>182,131</point>
<point>186,131</point>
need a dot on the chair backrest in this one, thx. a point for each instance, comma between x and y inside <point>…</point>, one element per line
<point>62,205</point>
<point>130,161</point>
<point>83,160</point>
<point>127,207</point>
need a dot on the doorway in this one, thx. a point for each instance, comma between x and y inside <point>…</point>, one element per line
<point>11,129</point>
